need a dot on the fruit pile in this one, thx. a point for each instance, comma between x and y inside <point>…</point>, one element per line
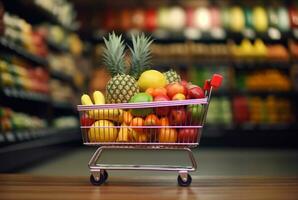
<point>140,84</point>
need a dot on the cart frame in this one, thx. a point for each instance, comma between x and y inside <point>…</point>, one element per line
<point>98,171</point>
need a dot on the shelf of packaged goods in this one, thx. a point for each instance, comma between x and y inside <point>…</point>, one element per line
<point>20,51</point>
<point>23,152</point>
<point>24,95</point>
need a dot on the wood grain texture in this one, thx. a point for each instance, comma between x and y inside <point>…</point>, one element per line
<point>42,187</point>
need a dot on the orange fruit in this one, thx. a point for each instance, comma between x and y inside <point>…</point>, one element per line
<point>164,121</point>
<point>151,120</point>
<point>150,91</point>
<point>137,121</point>
<point>160,92</point>
<point>167,135</point>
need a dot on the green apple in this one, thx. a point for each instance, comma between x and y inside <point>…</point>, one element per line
<point>141,97</point>
<point>195,112</point>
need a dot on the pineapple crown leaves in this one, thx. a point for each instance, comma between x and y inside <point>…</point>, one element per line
<point>141,54</point>
<point>113,55</point>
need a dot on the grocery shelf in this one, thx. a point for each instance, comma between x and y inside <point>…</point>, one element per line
<point>167,37</point>
<point>19,153</point>
<point>61,76</point>
<point>20,51</point>
<point>33,13</point>
<point>25,95</point>
<point>63,106</point>
<point>249,135</point>
<point>57,47</point>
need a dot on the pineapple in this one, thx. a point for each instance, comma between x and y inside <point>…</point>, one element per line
<point>141,55</point>
<point>121,87</point>
<point>172,76</point>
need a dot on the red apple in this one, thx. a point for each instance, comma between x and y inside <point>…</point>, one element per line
<point>195,92</point>
<point>86,121</point>
<point>188,135</point>
<point>175,88</point>
<point>162,111</point>
<point>178,116</point>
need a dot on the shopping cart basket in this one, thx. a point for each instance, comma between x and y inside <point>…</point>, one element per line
<point>179,128</point>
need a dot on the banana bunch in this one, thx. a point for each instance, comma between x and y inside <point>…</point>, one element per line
<point>108,114</point>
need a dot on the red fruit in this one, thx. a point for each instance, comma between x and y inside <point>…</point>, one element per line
<point>178,116</point>
<point>86,121</point>
<point>195,92</point>
<point>162,111</point>
<point>184,83</point>
<point>175,88</point>
<point>188,135</point>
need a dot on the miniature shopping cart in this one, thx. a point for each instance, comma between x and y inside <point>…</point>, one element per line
<point>181,133</point>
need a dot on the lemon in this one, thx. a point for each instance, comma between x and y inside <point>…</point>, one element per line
<point>151,79</point>
<point>103,131</point>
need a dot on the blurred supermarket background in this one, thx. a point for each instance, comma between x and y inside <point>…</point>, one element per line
<point>50,53</point>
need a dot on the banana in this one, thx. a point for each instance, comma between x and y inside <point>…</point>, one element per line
<point>86,100</point>
<point>108,114</point>
<point>98,97</point>
<point>124,134</point>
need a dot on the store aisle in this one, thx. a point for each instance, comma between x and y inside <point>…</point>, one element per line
<point>211,162</point>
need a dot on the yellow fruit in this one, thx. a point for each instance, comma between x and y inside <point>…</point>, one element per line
<point>101,133</point>
<point>86,100</point>
<point>98,97</point>
<point>124,134</point>
<point>151,79</point>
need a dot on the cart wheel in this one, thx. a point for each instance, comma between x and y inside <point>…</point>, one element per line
<point>102,178</point>
<point>183,183</point>
<point>105,175</point>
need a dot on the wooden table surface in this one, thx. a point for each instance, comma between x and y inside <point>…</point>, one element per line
<point>19,186</point>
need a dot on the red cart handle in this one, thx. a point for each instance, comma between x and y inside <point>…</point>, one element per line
<point>214,82</point>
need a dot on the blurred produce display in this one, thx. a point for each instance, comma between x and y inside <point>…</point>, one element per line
<point>14,121</point>
<point>264,80</point>
<point>58,37</point>
<point>197,19</point>
<point>61,91</point>
<point>223,106</point>
<point>15,73</point>
<point>257,110</point>
<point>62,10</point>
<point>22,33</point>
